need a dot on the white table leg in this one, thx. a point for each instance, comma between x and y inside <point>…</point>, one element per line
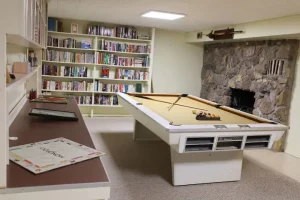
<point>143,133</point>
<point>206,167</point>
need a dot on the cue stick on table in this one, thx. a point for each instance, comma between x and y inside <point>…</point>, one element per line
<point>174,103</point>
<point>142,97</point>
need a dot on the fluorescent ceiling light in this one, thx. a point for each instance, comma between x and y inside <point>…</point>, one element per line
<point>162,15</point>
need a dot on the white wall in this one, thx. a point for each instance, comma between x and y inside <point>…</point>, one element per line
<point>293,138</point>
<point>3,131</point>
<point>283,27</point>
<point>177,65</point>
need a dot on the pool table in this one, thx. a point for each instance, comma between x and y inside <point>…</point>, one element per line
<point>202,151</point>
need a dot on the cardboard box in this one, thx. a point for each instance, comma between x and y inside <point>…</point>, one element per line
<point>21,67</point>
<point>8,80</point>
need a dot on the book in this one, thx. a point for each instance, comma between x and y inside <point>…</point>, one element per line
<point>86,45</point>
<point>105,72</point>
<point>138,88</point>
<point>54,25</point>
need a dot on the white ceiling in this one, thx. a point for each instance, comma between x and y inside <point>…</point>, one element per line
<point>201,14</point>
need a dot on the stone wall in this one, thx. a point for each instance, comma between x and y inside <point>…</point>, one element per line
<point>244,65</point>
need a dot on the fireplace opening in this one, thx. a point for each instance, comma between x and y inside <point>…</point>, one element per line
<point>242,100</point>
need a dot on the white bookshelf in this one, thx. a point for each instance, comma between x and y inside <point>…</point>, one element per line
<point>24,27</point>
<point>95,67</point>
<point>24,41</point>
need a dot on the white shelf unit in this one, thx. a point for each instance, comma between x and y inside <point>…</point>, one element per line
<point>20,79</point>
<point>24,27</point>
<point>23,41</point>
<point>96,67</point>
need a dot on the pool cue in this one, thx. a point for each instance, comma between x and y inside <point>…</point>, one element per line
<point>174,103</point>
<point>142,97</point>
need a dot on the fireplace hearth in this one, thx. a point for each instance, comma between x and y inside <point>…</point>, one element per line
<point>242,100</point>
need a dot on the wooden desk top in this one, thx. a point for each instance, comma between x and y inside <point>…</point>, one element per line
<point>31,129</point>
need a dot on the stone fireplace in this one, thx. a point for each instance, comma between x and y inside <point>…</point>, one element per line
<point>263,69</point>
<point>242,100</point>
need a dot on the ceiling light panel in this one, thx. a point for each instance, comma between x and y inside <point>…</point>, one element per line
<point>163,15</point>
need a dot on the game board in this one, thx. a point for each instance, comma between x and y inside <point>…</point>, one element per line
<point>47,155</point>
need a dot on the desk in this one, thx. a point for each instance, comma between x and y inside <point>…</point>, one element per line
<point>201,151</point>
<point>29,129</point>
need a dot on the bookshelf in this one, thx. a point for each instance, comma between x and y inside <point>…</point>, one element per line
<point>102,51</point>
<point>24,28</point>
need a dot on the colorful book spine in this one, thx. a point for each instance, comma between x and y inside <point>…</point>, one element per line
<point>62,56</point>
<point>130,74</point>
<point>68,86</point>
<point>104,87</point>
<point>124,47</point>
<point>84,100</point>
<point>119,31</point>
<point>112,59</point>
<point>106,100</point>
<point>65,71</point>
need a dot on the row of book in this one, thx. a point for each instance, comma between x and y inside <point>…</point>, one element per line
<point>62,56</point>
<point>68,43</point>
<point>119,31</point>
<point>68,86</point>
<point>65,71</point>
<point>88,100</point>
<point>84,100</point>
<point>112,59</point>
<point>129,74</point>
<point>104,87</point>
<point>124,47</point>
<point>54,25</point>
<point>106,100</point>
<point>99,100</point>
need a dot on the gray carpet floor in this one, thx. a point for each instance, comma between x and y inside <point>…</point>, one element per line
<point>142,171</point>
